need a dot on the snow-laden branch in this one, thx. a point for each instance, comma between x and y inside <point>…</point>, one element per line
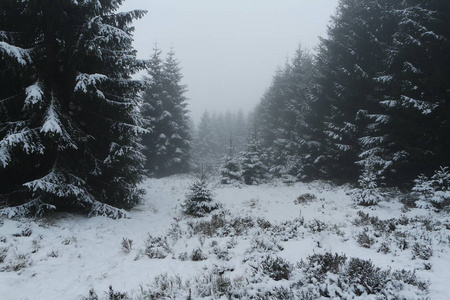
<point>384,79</point>
<point>52,122</point>
<point>21,55</point>
<point>105,210</point>
<point>5,156</point>
<point>107,33</point>
<point>60,185</point>
<point>424,107</point>
<point>26,209</point>
<point>119,151</point>
<point>34,95</point>
<point>28,138</point>
<point>88,80</point>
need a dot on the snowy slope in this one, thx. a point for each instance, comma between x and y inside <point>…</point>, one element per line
<point>64,256</point>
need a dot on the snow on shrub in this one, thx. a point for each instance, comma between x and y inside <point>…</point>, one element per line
<point>157,247</point>
<point>335,277</point>
<point>276,268</point>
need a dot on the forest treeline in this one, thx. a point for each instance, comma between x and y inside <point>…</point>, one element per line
<point>78,132</point>
<point>372,104</point>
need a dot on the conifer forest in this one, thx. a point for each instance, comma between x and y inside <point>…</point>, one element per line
<point>335,186</point>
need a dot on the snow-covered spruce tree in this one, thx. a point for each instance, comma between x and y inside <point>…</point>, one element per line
<point>368,193</point>
<point>199,201</point>
<point>205,145</point>
<point>434,191</point>
<point>273,118</point>
<point>230,171</point>
<point>151,111</point>
<point>416,88</point>
<point>282,112</point>
<point>254,170</point>
<point>69,124</point>
<point>348,61</point>
<point>164,111</point>
<point>178,148</point>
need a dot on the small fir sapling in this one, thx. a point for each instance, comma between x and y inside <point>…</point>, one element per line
<point>434,191</point>
<point>199,200</point>
<point>369,192</point>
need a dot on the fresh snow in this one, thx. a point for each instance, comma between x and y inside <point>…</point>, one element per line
<point>52,122</point>
<point>66,255</point>
<point>21,55</point>
<point>87,80</point>
<point>34,94</point>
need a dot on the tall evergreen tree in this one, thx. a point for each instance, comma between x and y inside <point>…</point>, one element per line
<point>166,115</point>
<point>253,160</point>
<point>347,61</point>
<point>68,109</point>
<point>178,152</point>
<point>230,170</point>
<point>416,90</point>
<point>282,113</point>
<point>151,111</point>
<point>205,147</point>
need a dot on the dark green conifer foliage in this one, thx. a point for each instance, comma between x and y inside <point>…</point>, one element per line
<point>166,117</point>
<point>178,149</point>
<point>151,110</point>
<point>348,61</point>
<point>253,160</point>
<point>231,170</point>
<point>416,90</point>
<point>69,124</point>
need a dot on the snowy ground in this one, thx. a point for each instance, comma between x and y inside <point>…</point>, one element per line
<point>65,256</point>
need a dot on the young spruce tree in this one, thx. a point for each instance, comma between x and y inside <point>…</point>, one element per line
<point>166,117</point>
<point>199,201</point>
<point>230,170</point>
<point>68,113</point>
<point>254,169</point>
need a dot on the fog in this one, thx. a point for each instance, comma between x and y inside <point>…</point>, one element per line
<point>229,50</point>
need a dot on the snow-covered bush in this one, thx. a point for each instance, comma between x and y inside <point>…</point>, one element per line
<point>422,251</point>
<point>199,201</point>
<point>276,268</point>
<point>25,232</point>
<point>3,254</point>
<point>127,245</point>
<point>222,225</point>
<point>288,229</point>
<point>198,255</point>
<point>157,247</point>
<point>265,244</point>
<point>335,277</point>
<point>317,226</point>
<point>222,253</point>
<point>434,191</point>
<point>305,198</point>
<point>321,264</point>
<point>17,262</point>
<point>110,295</point>
<point>364,240</point>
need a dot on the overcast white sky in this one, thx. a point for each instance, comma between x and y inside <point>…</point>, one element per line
<point>230,49</point>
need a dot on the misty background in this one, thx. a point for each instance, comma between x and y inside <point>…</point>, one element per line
<point>229,50</point>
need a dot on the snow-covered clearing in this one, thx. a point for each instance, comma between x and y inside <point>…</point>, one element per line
<point>66,255</point>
